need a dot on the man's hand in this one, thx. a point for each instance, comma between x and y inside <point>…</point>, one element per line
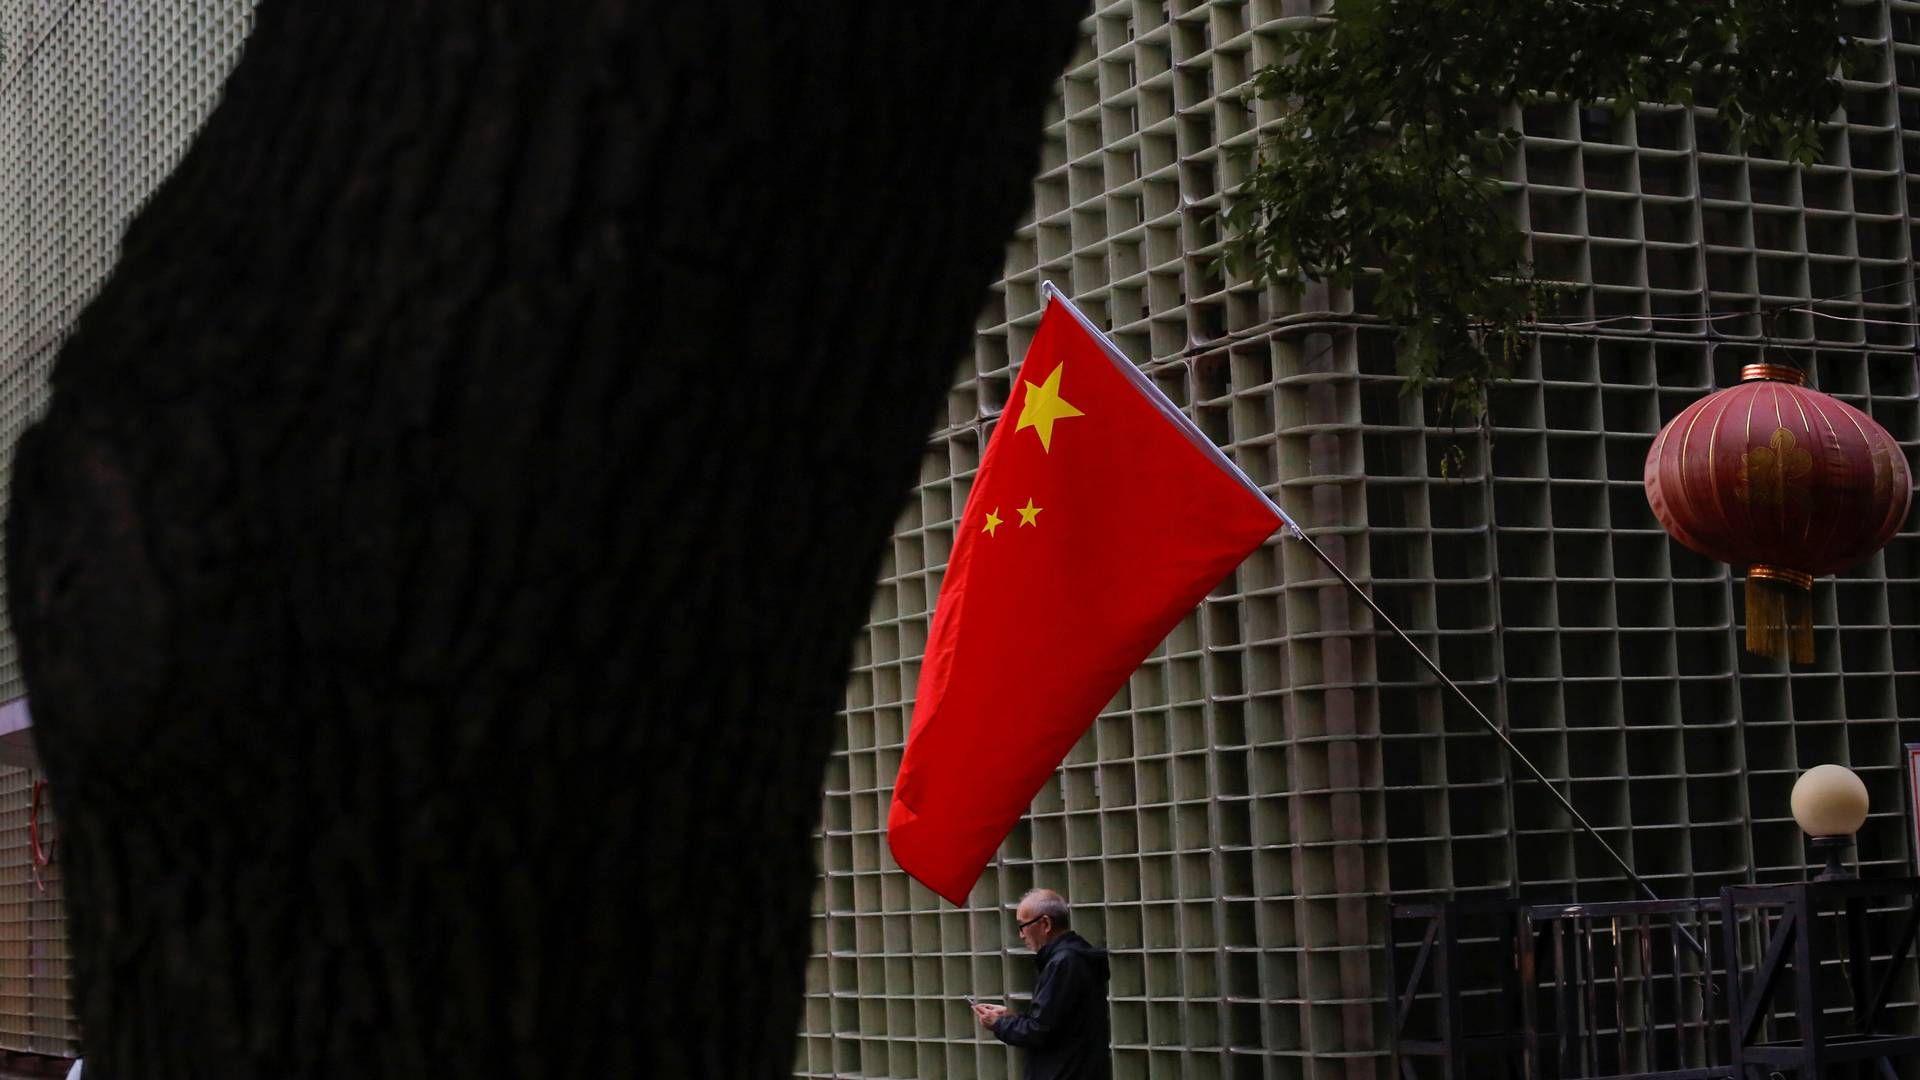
<point>988,1015</point>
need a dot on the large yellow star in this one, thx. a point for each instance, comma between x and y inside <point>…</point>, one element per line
<point>993,521</point>
<point>1044,405</point>
<point>1030,514</point>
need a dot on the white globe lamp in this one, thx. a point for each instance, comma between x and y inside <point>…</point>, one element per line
<point>1830,803</point>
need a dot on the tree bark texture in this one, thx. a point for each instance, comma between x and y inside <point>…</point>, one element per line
<point>436,572</point>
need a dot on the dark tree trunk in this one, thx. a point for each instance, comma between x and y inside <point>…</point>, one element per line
<point>436,572</point>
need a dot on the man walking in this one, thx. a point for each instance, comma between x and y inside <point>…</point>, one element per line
<point>1065,1030</point>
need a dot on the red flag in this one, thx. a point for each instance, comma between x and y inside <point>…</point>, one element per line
<point>1100,516</point>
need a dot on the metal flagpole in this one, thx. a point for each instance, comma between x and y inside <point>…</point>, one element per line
<point>1294,530</point>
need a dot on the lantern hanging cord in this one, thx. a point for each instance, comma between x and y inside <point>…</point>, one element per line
<point>1568,326</point>
<point>1806,306</point>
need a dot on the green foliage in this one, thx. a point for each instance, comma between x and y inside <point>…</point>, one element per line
<point>1382,165</point>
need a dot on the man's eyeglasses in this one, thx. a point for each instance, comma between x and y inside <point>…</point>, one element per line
<point>1029,922</point>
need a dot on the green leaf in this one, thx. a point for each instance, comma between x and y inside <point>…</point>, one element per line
<point>1380,171</point>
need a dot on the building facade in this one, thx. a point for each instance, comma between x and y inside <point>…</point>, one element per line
<point>1236,819</point>
<point>98,98</point>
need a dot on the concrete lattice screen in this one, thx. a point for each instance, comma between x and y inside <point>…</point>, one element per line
<point>35,1015</point>
<point>1237,816</point>
<point>98,98</point>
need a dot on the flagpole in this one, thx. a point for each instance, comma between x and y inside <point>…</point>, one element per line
<point>1293,529</point>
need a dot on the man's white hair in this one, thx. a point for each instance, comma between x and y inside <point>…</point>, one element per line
<point>1049,903</point>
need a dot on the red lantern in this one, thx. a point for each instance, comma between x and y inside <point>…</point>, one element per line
<point>1785,480</point>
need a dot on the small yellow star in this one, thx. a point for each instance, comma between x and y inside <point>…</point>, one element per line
<point>993,521</point>
<point>1042,406</point>
<point>1029,514</point>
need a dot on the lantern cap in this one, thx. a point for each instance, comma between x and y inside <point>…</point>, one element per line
<point>1785,373</point>
<point>1829,800</point>
<point>1798,579</point>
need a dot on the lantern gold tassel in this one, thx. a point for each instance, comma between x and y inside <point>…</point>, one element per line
<point>1780,613</point>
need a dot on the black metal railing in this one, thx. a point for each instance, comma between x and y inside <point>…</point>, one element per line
<point>1631,989</point>
<point>1760,981</point>
<point>1458,1005</point>
<point>1813,971</point>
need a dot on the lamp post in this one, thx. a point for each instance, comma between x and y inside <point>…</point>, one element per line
<point>1830,803</point>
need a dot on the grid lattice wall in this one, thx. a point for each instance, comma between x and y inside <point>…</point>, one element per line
<point>1233,822</point>
<point>35,1013</point>
<point>98,98</point>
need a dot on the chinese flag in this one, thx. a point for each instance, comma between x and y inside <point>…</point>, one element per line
<point>1100,516</point>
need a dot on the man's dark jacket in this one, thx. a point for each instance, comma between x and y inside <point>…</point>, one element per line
<point>1065,1028</point>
